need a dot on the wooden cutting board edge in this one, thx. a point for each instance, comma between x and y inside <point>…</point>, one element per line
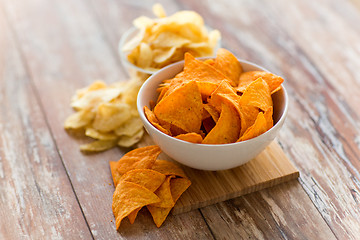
<point>273,182</point>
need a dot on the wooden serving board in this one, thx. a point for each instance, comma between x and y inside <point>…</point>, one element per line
<point>269,168</point>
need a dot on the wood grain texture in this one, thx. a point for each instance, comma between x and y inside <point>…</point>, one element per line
<point>67,44</point>
<point>274,213</point>
<point>269,168</point>
<point>60,65</point>
<point>317,131</point>
<point>36,197</point>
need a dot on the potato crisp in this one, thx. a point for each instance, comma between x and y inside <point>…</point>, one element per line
<point>140,179</point>
<point>164,40</point>
<point>108,114</point>
<point>215,102</point>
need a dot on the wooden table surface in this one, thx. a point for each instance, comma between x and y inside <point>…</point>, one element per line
<point>50,190</point>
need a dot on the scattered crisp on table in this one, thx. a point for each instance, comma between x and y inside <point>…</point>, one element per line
<point>108,114</point>
<point>140,180</point>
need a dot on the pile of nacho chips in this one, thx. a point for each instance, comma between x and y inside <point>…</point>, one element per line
<point>164,40</point>
<point>107,114</point>
<point>140,180</point>
<point>215,102</point>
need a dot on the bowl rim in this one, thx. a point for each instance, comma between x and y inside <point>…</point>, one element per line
<point>132,30</point>
<point>202,145</point>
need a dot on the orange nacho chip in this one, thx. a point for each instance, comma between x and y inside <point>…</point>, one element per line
<point>202,72</point>
<point>212,112</point>
<point>168,168</point>
<point>143,181</point>
<point>224,93</point>
<point>138,158</point>
<point>206,76</point>
<point>146,178</point>
<point>190,137</point>
<point>154,121</point>
<point>164,193</point>
<point>129,196</point>
<point>248,115</point>
<point>271,79</point>
<point>257,94</point>
<point>260,126</point>
<point>178,186</point>
<point>208,124</point>
<point>228,64</point>
<point>182,108</point>
<point>114,173</point>
<point>227,129</point>
<point>268,114</point>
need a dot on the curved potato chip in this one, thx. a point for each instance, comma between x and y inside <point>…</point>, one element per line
<point>98,146</point>
<point>128,141</point>
<point>111,116</point>
<point>169,40</point>
<point>94,98</point>
<point>158,10</point>
<point>130,127</point>
<point>94,86</point>
<point>91,132</point>
<point>79,119</point>
<point>162,55</point>
<point>227,129</point>
<point>145,56</point>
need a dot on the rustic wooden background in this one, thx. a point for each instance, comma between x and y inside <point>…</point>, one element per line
<point>50,48</point>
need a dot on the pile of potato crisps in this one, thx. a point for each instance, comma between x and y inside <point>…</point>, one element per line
<point>140,180</point>
<point>107,114</point>
<point>215,102</point>
<point>165,39</point>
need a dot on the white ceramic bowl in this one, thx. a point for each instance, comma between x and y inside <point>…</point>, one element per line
<point>209,156</point>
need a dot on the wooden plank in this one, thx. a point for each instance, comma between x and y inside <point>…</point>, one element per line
<point>275,213</point>
<point>36,197</point>
<point>269,168</point>
<point>66,53</point>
